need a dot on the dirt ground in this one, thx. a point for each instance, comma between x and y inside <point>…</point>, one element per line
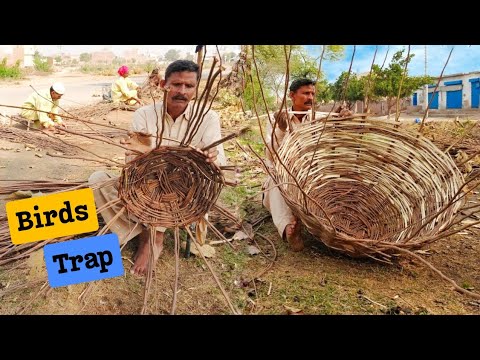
<point>314,281</point>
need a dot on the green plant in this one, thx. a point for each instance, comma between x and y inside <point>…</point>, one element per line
<point>6,71</point>
<point>41,64</point>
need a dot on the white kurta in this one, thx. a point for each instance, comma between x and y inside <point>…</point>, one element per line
<point>145,120</point>
<point>273,200</point>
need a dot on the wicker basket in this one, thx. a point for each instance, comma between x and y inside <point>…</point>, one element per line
<point>170,186</point>
<point>371,185</point>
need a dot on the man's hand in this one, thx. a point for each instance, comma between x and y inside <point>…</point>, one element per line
<point>282,120</point>
<point>211,154</point>
<point>50,126</point>
<point>137,141</point>
<point>137,100</point>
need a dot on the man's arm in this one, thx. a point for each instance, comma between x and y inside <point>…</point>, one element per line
<point>56,117</point>
<point>140,121</point>
<point>44,105</point>
<point>213,133</point>
<point>274,140</point>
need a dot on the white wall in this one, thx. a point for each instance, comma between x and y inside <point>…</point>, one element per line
<point>442,89</point>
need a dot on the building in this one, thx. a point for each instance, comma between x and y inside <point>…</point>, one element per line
<point>457,91</point>
<point>102,57</point>
<point>14,53</point>
<point>134,56</point>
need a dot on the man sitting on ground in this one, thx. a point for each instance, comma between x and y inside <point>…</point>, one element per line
<point>302,93</point>
<point>42,108</point>
<point>124,90</point>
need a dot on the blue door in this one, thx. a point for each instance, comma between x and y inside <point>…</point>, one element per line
<point>475,92</point>
<point>454,99</point>
<point>434,104</point>
<point>414,101</point>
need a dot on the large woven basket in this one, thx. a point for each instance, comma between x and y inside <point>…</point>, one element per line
<point>371,185</point>
<point>170,186</point>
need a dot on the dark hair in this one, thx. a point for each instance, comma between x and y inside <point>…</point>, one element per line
<point>298,83</point>
<point>179,66</point>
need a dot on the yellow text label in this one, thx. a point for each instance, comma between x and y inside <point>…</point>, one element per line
<point>52,216</point>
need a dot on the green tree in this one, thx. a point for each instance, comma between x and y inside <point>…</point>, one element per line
<point>229,56</point>
<point>324,91</point>
<point>252,92</point>
<point>40,63</point>
<point>85,57</point>
<point>172,55</point>
<point>118,61</point>
<point>334,52</point>
<point>386,82</point>
<point>351,92</point>
<point>58,59</point>
<point>271,62</point>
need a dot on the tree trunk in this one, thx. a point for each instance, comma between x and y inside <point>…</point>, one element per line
<point>389,106</point>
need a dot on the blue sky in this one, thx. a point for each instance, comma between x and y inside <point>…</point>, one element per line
<point>464,59</point>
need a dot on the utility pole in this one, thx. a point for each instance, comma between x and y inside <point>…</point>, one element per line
<point>425,90</point>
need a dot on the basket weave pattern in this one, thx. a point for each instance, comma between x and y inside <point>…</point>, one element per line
<point>170,186</point>
<point>377,183</point>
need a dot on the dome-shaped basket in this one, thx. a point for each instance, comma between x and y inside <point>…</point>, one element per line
<point>170,186</point>
<point>371,185</point>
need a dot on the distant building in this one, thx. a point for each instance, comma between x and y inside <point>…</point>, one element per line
<point>28,54</point>
<point>14,53</point>
<point>133,55</point>
<point>103,57</point>
<point>456,91</point>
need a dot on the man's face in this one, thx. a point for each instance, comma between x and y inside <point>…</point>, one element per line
<point>182,87</point>
<point>55,95</point>
<point>302,99</point>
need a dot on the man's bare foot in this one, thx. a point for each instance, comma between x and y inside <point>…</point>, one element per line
<point>292,234</point>
<point>141,257</point>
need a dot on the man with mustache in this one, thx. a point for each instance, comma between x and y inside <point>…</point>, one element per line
<point>302,93</point>
<point>181,79</point>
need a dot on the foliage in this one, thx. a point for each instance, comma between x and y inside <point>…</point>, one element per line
<point>13,72</point>
<point>252,93</point>
<point>271,61</point>
<point>225,98</point>
<point>58,59</point>
<point>149,66</point>
<point>303,68</point>
<point>99,69</point>
<point>354,91</point>
<point>40,63</point>
<point>117,61</point>
<point>386,82</point>
<point>111,69</point>
<point>172,55</point>
<point>324,91</point>
<point>85,57</point>
<point>334,52</point>
<point>229,56</point>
